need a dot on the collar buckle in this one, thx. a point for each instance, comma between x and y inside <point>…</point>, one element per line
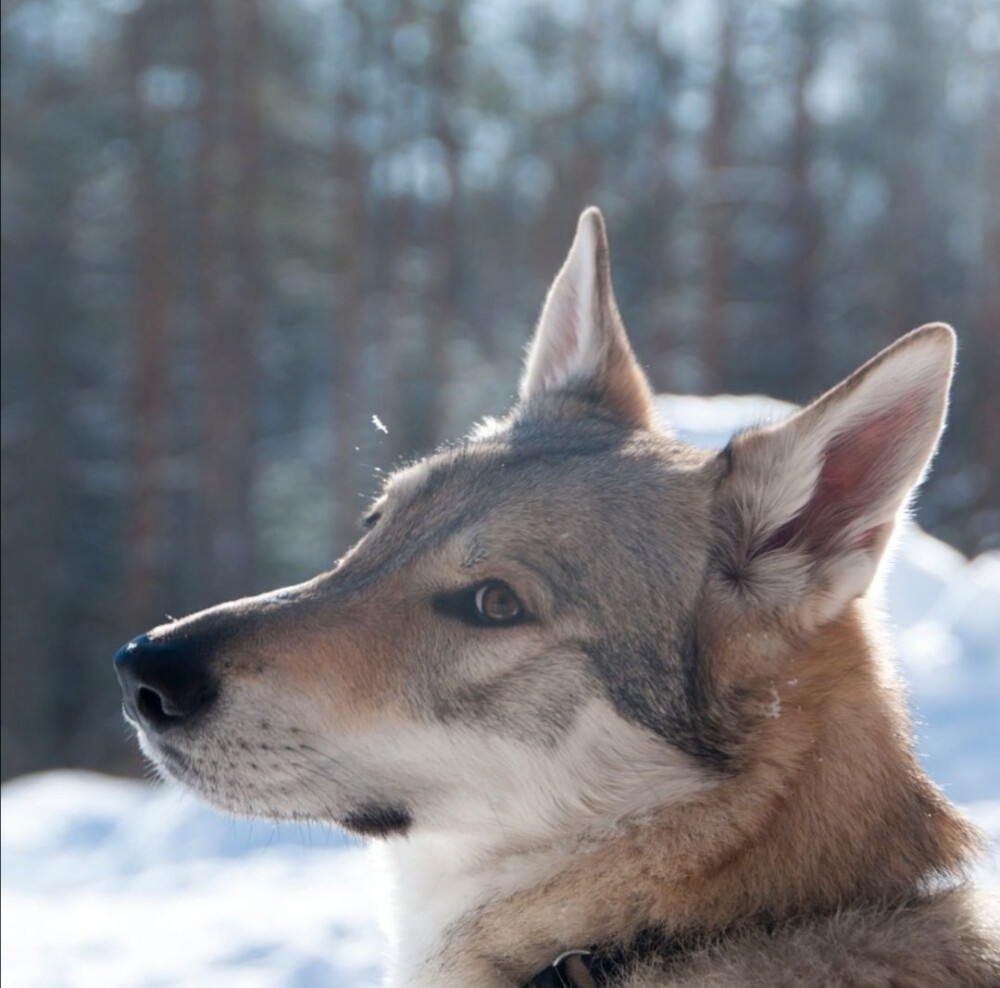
<point>569,970</point>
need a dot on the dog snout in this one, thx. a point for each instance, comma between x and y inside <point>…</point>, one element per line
<point>165,683</point>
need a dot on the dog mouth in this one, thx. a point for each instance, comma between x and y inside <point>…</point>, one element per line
<point>196,764</point>
<point>176,764</point>
<point>247,776</point>
<point>378,819</point>
<point>205,777</point>
<point>166,758</point>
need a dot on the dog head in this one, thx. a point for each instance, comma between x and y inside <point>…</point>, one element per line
<point>569,619</point>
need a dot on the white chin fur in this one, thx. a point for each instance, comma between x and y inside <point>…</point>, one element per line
<point>515,823</point>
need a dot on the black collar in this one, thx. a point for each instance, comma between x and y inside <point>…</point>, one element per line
<point>601,966</point>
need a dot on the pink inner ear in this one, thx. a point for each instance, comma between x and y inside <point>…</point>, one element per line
<point>863,470</point>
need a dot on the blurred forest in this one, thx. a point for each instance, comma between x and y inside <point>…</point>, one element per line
<point>235,230</point>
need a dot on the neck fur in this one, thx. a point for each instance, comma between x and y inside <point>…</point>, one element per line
<point>828,809</point>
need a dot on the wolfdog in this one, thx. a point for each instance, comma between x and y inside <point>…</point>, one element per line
<point>617,707</point>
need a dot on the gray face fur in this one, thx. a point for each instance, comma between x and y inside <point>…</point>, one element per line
<point>374,696</point>
<point>608,530</point>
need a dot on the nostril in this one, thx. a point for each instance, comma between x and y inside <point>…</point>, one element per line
<point>166,683</point>
<point>150,706</point>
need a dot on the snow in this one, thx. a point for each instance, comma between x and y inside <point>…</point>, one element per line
<point>112,882</point>
<point>108,882</point>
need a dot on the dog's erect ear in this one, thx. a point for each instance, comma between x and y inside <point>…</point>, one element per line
<point>809,504</point>
<point>580,345</point>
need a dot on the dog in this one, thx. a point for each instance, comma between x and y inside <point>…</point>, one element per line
<point>616,707</point>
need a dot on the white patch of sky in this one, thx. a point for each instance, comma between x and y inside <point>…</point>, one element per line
<point>490,141</point>
<point>835,90</point>
<point>169,88</point>
<point>63,31</point>
<point>339,37</point>
<point>689,26</point>
<point>419,168</point>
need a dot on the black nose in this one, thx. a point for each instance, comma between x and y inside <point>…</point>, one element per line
<point>165,683</point>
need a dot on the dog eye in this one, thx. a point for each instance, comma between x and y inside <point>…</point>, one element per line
<point>488,605</point>
<point>496,603</point>
<point>370,520</point>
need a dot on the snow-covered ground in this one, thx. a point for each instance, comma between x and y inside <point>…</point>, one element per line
<point>113,883</point>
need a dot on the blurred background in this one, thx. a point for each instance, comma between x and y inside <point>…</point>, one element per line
<point>236,230</point>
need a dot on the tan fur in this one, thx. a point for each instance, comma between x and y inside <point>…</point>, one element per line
<point>830,807</point>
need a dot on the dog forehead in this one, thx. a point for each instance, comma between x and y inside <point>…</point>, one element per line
<point>488,472</point>
<point>568,475</point>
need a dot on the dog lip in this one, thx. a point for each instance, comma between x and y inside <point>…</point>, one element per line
<point>168,758</point>
<point>174,758</point>
<point>130,714</point>
<point>378,820</point>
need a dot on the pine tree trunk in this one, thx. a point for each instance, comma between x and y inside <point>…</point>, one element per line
<point>443,310</point>
<point>145,530</point>
<point>230,284</point>
<point>805,216</point>
<point>349,280</point>
<point>987,370</point>
<point>718,210</point>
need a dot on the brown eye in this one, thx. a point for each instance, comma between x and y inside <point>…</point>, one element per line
<point>496,603</point>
